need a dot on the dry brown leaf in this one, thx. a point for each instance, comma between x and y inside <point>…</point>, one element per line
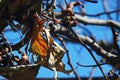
<point>38,43</point>
<point>50,53</point>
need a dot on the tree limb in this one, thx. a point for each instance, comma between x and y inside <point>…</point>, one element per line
<point>98,49</point>
<point>110,57</point>
<point>15,72</point>
<point>93,21</point>
<point>26,39</point>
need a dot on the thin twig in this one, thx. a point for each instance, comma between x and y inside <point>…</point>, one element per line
<point>93,1</point>
<point>102,13</point>
<point>118,7</point>
<point>105,6</point>
<point>90,65</point>
<point>68,56</point>
<point>18,45</point>
<point>96,62</point>
<point>91,73</point>
<point>66,2</point>
<point>90,54</point>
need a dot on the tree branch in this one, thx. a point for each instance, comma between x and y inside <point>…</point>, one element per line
<point>26,39</point>
<point>112,58</point>
<point>15,72</point>
<point>93,21</point>
<point>98,49</point>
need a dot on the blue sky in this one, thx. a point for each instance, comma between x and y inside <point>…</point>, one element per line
<point>78,53</point>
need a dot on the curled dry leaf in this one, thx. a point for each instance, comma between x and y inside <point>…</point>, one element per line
<point>38,43</point>
<point>50,53</point>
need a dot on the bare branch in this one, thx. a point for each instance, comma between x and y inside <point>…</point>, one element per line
<point>97,48</point>
<point>16,72</point>
<point>93,21</point>
<point>16,68</point>
<point>20,44</point>
<point>92,44</point>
